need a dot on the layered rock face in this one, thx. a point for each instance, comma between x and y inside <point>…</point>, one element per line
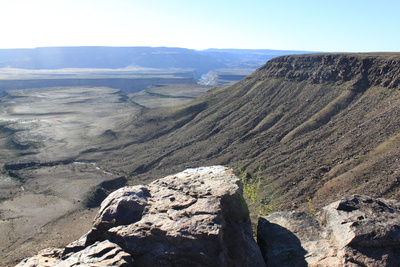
<point>194,218</point>
<point>371,70</point>
<point>354,231</point>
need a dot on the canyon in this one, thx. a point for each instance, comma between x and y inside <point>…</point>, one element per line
<point>314,127</point>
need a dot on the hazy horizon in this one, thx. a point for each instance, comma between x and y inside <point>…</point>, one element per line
<point>339,26</point>
<point>161,46</point>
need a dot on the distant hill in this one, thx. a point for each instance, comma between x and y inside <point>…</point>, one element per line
<point>121,57</point>
<point>317,125</point>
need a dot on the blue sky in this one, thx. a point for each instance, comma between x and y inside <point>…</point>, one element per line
<point>331,26</point>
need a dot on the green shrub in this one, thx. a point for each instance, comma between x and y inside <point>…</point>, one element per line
<point>251,186</point>
<point>251,194</point>
<point>313,211</point>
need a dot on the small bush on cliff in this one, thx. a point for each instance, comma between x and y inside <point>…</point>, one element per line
<point>251,190</point>
<point>312,210</point>
<point>251,186</point>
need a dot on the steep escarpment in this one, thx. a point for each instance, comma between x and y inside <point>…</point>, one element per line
<point>315,126</point>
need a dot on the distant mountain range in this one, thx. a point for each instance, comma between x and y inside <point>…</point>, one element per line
<point>122,57</point>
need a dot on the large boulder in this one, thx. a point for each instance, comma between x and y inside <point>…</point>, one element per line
<point>354,231</point>
<point>194,218</point>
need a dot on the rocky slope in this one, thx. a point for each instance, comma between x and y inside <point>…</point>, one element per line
<point>319,126</point>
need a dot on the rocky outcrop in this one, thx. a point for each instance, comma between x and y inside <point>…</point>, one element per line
<point>194,218</point>
<point>199,218</point>
<point>355,231</point>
